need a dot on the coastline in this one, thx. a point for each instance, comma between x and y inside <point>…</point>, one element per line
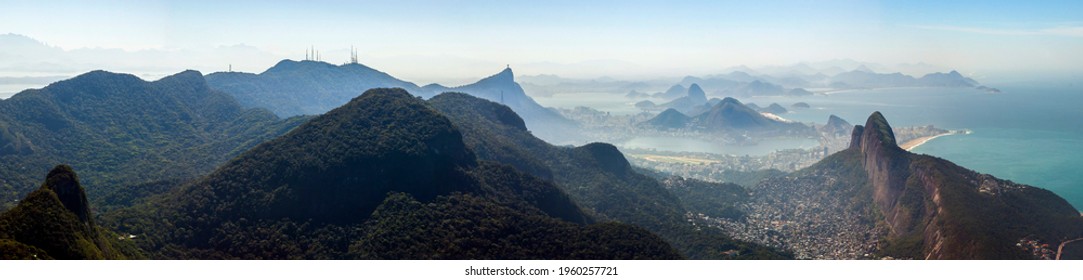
<point>914,143</point>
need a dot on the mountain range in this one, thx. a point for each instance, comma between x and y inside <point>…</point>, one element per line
<point>868,79</point>
<point>596,176</point>
<point>502,88</point>
<point>309,87</point>
<point>306,87</point>
<point>387,177</point>
<point>182,167</point>
<point>692,102</point>
<point>121,131</point>
<point>727,116</point>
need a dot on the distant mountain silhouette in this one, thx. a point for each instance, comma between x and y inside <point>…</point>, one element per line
<point>675,91</point>
<point>951,79</point>
<point>312,87</point>
<point>503,89</point>
<point>693,102</point>
<point>836,126</point>
<point>669,119</point>
<point>869,79</point>
<point>756,88</point>
<point>776,109</point>
<point>292,88</point>
<point>728,116</point>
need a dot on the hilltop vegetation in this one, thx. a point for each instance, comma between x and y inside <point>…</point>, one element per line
<point>55,222</point>
<point>119,131</point>
<point>384,176</point>
<point>596,176</point>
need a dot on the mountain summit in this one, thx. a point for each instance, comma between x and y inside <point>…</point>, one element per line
<point>63,181</point>
<point>502,88</point>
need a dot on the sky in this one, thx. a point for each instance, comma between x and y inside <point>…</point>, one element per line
<point>453,42</point>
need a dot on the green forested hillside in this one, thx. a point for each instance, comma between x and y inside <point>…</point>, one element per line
<point>597,176</point>
<point>119,130</point>
<point>55,222</point>
<point>384,176</point>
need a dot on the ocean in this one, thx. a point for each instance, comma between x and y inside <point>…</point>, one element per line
<point>1031,133</point>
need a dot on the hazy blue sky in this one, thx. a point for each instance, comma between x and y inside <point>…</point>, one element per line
<point>453,41</point>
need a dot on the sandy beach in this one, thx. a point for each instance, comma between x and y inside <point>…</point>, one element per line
<point>910,145</point>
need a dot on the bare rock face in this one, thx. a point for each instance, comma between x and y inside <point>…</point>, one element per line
<point>855,136</point>
<point>887,166</point>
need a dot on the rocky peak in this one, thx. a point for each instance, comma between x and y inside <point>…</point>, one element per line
<point>855,137</point>
<point>505,76</point>
<point>887,167</point>
<point>63,181</point>
<point>877,134</point>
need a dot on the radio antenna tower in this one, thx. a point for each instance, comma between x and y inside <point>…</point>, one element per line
<point>353,55</point>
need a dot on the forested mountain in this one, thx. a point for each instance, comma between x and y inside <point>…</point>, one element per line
<point>596,176</point>
<point>119,130</point>
<point>305,87</point>
<point>55,222</point>
<point>386,177</point>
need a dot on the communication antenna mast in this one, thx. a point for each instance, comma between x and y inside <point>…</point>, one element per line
<point>353,55</point>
